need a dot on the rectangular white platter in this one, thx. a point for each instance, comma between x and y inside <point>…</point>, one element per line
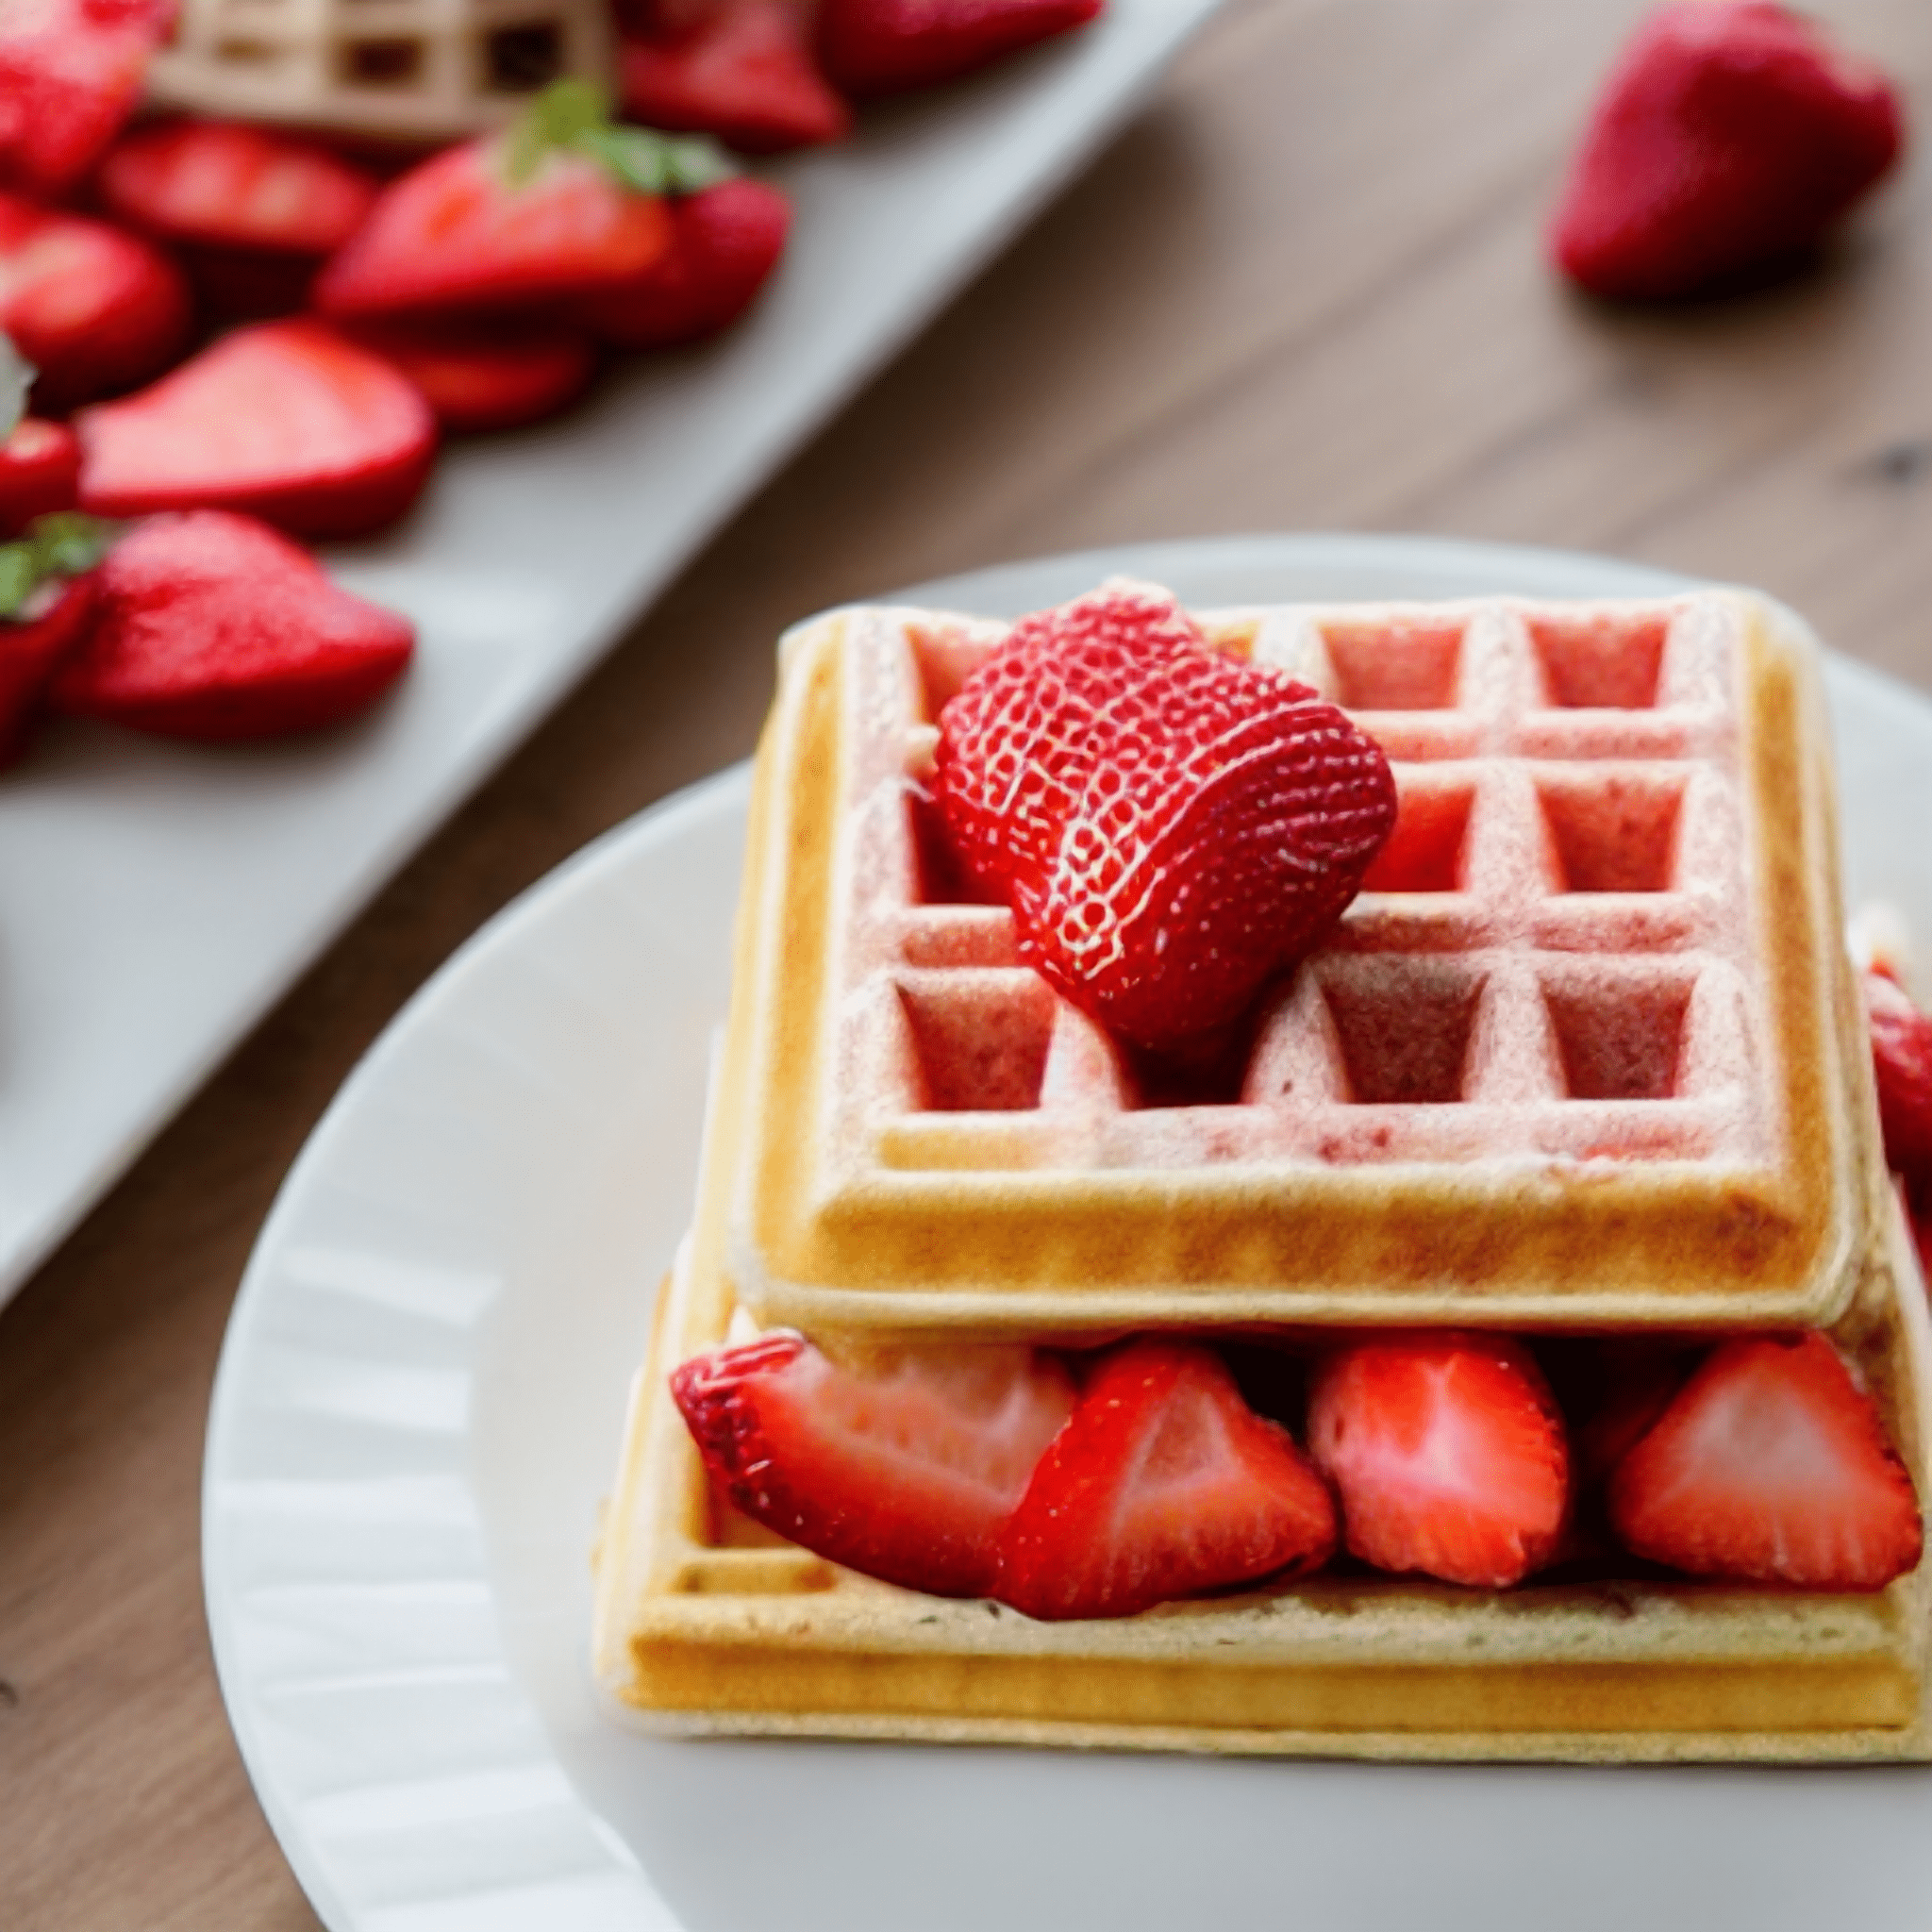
<point>155,900</point>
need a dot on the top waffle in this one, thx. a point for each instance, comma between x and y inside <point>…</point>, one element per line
<point>1584,1053</point>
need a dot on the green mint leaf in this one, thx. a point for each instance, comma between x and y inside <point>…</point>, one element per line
<point>652,163</point>
<point>557,118</point>
<point>61,545</point>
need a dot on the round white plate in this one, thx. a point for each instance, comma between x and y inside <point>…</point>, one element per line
<point>418,1411</point>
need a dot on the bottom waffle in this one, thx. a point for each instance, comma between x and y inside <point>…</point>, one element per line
<point>706,1625</point>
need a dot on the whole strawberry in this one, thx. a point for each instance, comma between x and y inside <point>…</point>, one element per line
<point>1729,140</point>
<point>1172,826</point>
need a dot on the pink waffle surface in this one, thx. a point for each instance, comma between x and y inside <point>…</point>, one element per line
<point>1590,983</point>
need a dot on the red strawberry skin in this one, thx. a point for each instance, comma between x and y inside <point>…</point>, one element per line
<point>1171,827</point>
<point>232,186</point>
<point>213,627</point>
<point>726,241</point>
<point>1902,1065</point>
<point>1163,1484</point>
<point>286,421</point>
<point>1771,1466</point>
<point>740,71</point>
<point>480,378</point>
<point>1448,1453</point>
<point>907,1469</point>
<point>869,47</point>
<point>31,651</point>
<point>70,75</point>
<point>1727,140</point>
<point>92,308</point>
<point>453,236</point>
<point>39,473</point>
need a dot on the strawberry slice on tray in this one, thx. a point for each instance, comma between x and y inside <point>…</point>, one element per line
<point>905,1468</point>
<point>1163,1484</point>
<point>288,421</point>
<point>887,47</point>
<point>69,75</point>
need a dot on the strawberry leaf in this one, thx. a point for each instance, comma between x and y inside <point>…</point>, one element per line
<point>54,547</point>
<point>573,117</point>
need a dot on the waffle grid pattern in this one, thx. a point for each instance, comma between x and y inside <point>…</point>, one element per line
<point>1552,961</point>
<point>403,69</point>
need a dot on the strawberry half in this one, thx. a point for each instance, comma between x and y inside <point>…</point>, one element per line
<point>40,472</point>
<point>885,47</point>
<point>495,377</point>
<point>562,207</point>
<point>1170,826</point>
<point>210,626</point>
<point>286,420</point>
<point>1727,140</point>
<point>906,1470</point>
<point>741,69</point>
<point>1902,1065</point>
<point>1448,1453</point>
<point>1164,1483</point>
<point>1771,1466</point>
<point>69,75</point>
<point>93,309</point>
<point>726,242</point>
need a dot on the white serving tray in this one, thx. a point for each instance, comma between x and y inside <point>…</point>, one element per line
<point>419,1407</point>
<point>155,900</point>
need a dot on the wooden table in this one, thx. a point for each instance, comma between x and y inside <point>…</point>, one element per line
<point>1303,291</point>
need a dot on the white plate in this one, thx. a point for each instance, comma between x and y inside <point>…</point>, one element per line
<point>418,1409</point>
<point>155,901</point>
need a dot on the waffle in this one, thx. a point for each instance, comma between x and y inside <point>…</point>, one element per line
<point>1584,1053</point>
<point>386,69</point>
<point>706,1624</point>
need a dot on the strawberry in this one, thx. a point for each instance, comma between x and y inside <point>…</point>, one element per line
<point>1170,826</point>
<point>40,472</point>
<point>1727,140</point>
<point>254,213</point>
<point>1771,1466</point>
<point>285,420</point>
<point>69,75</point>
<point>93,309</point>
<point>725,240</point>
<point>1163,1484</point>
<point>486,378</point>
<point>210,626</point>
<point>741,69</point>
<point>906,1469</point>
<point>47,597</point>
<point>563,206</point>
<point>1448,1452</point>
<point>1902,1064</point>
<point>885,47</point>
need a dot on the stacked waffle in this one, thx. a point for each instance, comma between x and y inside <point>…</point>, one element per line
<point>1584,1057</point>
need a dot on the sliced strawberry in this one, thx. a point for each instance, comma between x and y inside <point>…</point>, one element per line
<point>907,1469</point>
<point>213,627</point>
<point>286,420</point>
<point>1902,1065</point>
<point>562,207</point>
<point>726,242</point>
<point>486,378</point>
<point>1726,143</point>
<point>1771,1466</point>
<point>40,472</point>
<point>236,187</point>
<point>742,70</point>
<point>69,75</point>
<point>93,309</point>
<point>1170,826</point>
<point>1448,1453</point>
<point>885,47</point>
<point>33,646</point>
<point>1164,1483</point>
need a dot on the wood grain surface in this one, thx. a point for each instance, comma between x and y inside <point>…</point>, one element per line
<point>1304,291</point>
